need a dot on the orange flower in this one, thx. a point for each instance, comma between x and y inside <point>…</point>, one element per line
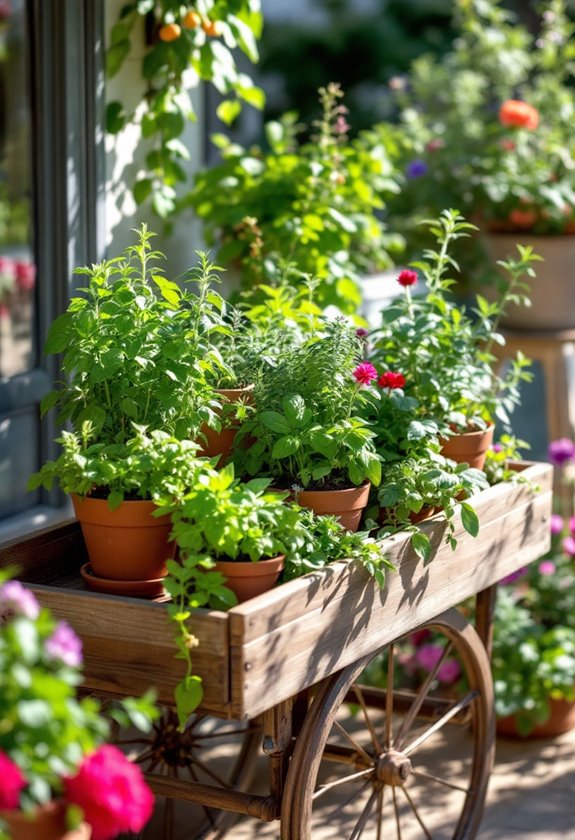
<point>519,114</point>
<point>523,219</point>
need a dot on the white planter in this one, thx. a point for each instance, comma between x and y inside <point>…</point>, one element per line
<point>379,290</point>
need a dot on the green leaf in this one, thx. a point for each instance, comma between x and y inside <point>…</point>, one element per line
<point>253,96</point>
<point>115,117</point>
<point>469,519</point>
<point>421,545</point>
<point>276,422</point>
<point>142,190</point>
<point>285,446</point>
<point>228,110</point>
<point>294,409</point>
<point>115,57</point>
<point>188,696</point>
<point>59,334</point>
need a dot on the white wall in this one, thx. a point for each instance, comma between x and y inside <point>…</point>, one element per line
<point>125,153</point>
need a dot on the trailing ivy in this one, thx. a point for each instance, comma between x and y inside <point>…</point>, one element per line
<point>186,43</point>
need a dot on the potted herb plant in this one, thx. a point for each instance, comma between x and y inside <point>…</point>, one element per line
<point>316,203</point>
<point>59,780</point>
<point>115,488</point>
<point>307,434</point>
<point>444,352</point>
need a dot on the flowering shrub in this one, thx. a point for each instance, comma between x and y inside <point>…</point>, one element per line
<point>488,129</point>
<point>51,743</point>
<point>534,632</point>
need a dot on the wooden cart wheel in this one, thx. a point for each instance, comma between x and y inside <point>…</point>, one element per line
<point>209,751</point>
<point>361,768</point>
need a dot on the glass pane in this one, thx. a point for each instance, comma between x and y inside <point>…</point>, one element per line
<point>17,266</point>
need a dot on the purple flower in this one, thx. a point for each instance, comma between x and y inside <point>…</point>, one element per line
<point>416,169</point>
<point>547,567</point>
<point>14,598</point>
<point>361,332</point>
<point>556,524</point>
<point>497,447</point>
<point>65,645</point>
<point>572,526</point>
<point>560,451</point>
<point>569,546</point>
<point>514,576</point>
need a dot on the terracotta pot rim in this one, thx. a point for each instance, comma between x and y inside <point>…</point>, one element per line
<point>133,509</point>
<point>256,568</point>
<point>468,435</point>
<point>230,393</point>
<point>515,232</point>
<point>350,491</point>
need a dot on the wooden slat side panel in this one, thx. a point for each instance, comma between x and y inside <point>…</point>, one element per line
<point>45,555</point>
<point>348,616</point>
<point>129,647</point>
<point>286,603</point>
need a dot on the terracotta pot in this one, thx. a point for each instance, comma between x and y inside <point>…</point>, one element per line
<point>222,442</point>
<point>426,512</point>
<point>347,505</point>
<point>47,823</point>
<point>561,719</point>
<point>127,543</point>
<point>552,290</point>
<point>249,579</point>
<point>469,447</point>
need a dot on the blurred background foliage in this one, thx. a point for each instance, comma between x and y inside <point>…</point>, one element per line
<point>361,44</point>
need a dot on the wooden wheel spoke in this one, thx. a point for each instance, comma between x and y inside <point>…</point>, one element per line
<point>140,759</point>
<point>229,732</point>
<point>420,697</point>
<point>374,738</point>
<point>205,769</point>
<point>439,724</point>
<point>430,777</point>
<point>396,811</point>
<point>389,697</point>
<point>365,814</point>
<point>330,785</point>
<point>358,747</point>
<point>343,805</point>
<point>416,814</point>
<point>380,795</point>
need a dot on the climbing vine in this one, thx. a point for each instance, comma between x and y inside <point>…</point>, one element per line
<point>185,43</point>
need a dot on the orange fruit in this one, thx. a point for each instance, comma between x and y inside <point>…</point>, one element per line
<point>212,28</point>
<point>191,20</point>
<point>169,32</point>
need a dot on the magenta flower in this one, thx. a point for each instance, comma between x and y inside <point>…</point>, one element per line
<point>428,656</point>
<point>65,646</point>
<point>12,782</point>
<point>14,598</point>
<point>341,125</point>
<point>556,524</point>
<point>571,525</point>
<point>496,447</point>
<point>8,268</point>
<point>560,451</point>
<point>361,332</point>
<point>407,277</point>
<point>25,276</point>
<point>569,546</point>
<point>514,576</point>
<point>365,373</point>
<point>547,567</point>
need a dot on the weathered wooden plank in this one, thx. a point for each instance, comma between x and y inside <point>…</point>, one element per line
<point>44,555</point>
<point>316,625</point>
<point>128,645</point>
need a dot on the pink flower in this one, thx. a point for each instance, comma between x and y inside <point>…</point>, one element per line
<point>569,546</point>
<point>65,645</point>
<point>556,524</point>
<point>361,332</point>
<point>365,373</point>
<point>547,567</point>
<point>25,276</point>
<point>435,144</point>
<point>407,277</point>
<point>14,598</point>
<point>341,125</point>
<point>8,268</point>
<point>508,145</point>
<point>391,380</point>
<point>514,576</point>
<point>12,782</point>
<point>112,793</point>
<point>428,656</point>
<point>560,451</point>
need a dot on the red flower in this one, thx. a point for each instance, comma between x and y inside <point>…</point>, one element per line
<point>524,219</point>
<point>519,114</point>
<point>112,793</point>
<point>508,145</point>
<point>407,277</point>
<point>12,782</point>
<point>391,380</point>
<point>365,373</point>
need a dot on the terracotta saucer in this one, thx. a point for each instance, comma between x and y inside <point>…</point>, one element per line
<point>141,588</point>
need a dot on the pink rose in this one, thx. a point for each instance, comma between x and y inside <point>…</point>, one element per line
<point>12,783</point>
<point>112,793</point>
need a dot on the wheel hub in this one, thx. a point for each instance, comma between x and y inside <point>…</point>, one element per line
<point>393,768</point>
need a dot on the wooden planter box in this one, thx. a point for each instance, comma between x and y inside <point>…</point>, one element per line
<point>267,649</point>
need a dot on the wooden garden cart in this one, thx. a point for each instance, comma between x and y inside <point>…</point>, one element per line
<point>291,673</point>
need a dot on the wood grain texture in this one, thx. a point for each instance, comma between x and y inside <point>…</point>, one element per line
<point>301,632</point>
